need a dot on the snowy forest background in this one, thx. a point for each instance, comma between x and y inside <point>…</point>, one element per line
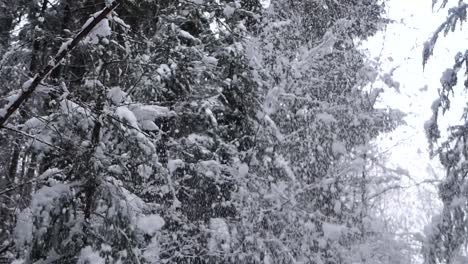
<point>219,131</point>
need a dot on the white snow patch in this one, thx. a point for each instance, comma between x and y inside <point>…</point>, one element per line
<point>45,196</point>
<point>338,148</point>
<point>49,173</point>
<point>152,252</point>
<point>64,46</point>
<point>220,237</point>
<point>243,170</point>
<point>68,106</point>
<point>145,171</point>
<point>88,255</point>
<point>184,34</point>
<point>200,140</point>
<point>125,114</point>
<point>326,118</point>
<point>280,162</point>
<point>91,83</point>
<point>210,60</point>
<point>34,124</point>
<point>458,202</point>
<point>274,127</point>
<point>150,224</point>
<point>119,21</point>
<point>24,228</point>
<point>332,231</point>
<point>265,3</point>
<point>151,112</point>
<point>131,202</point>
<point>116,169</point>
<point>164,71</point>
<point>148,125</point>
<point>337,207</point>
<point>210,168</point>
<point>26,85</point>
<point>102,29</point>
<point>116,95</point>
<point>210,114</point>
<point>174,164</point>
<point>44,201</point>
<point>229,11</point>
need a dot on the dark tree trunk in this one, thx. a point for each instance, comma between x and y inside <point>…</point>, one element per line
<point>13,167</point>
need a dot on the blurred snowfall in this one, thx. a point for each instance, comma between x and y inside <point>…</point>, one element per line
<point>399,51</point>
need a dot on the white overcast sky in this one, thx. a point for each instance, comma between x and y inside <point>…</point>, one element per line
<point>400,45</point>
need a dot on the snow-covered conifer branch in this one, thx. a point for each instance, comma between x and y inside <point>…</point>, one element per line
<point>30,86</point>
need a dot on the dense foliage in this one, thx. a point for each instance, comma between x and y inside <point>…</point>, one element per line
<point>194,131</point>
<point>447,235</point>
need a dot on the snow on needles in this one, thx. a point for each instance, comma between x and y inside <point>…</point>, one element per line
<point>150,224</point>
<point>102,29</point>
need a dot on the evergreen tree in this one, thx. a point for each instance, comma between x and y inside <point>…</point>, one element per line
<point>305,198</point>
<point>151,114</point>
<point>195,131</point>
<point>446,236</point>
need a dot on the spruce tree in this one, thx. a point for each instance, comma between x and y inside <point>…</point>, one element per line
<point>194,131</point>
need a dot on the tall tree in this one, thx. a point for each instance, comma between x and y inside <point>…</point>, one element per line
<point>306,194</point>
<point>152,114</point>
<point>192,132</point>
<point>447,235</point>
